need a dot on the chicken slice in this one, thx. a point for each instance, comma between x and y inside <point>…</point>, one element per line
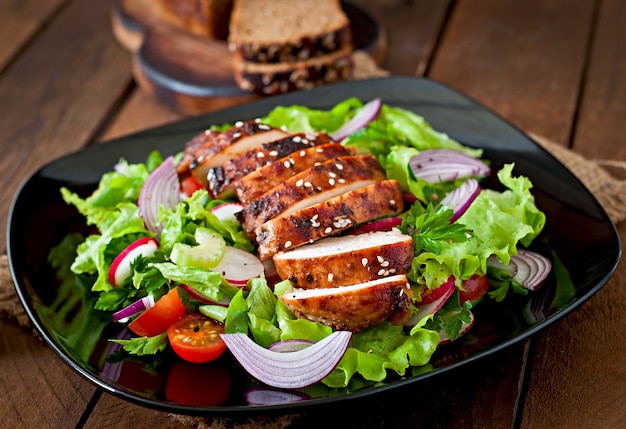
<point>354,307</point>
<point>255,184</point>
<point>346,260</point>
<point>329,217</point>
<point>312,186</point>
<point>212,148</point>
<point>220,179</point>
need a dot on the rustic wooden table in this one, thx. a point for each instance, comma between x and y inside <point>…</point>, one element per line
<point>553,67</point>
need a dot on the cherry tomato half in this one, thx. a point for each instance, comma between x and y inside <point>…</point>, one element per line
<point>155,320</point>
<point>189,185</point>
<point>474,288</point>
<point>195,338</point>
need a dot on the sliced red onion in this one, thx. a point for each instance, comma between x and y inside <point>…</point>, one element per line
<point>238,266</point>
<point>292,370</point>
<point>386,224</point>
<point>161,188</point>
<point>446,165</point>
<point>442,294</point>
<point>136,307</point>
<point>459,199</point>
<point>258,395</point>
<point>288,346</point>
<point>528,268</point>
<point>367,114</point>
<point>443,337</point>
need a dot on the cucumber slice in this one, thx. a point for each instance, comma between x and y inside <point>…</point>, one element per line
<point>207,254</point>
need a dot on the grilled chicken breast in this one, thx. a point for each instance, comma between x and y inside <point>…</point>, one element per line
<point>346,260</point>
<point>260,181</point>
<point>220,179</point>
<point>312,186</point>
<point>329,217</point>
<point>353,307</point>
<point>210,148</point>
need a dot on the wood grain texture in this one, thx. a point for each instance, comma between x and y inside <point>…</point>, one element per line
<point>27,19</point>
<point>524,60</point>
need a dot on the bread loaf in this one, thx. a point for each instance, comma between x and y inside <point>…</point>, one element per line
<point>207,18</point>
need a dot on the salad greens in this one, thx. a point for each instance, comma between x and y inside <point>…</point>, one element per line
<point>494,224</point>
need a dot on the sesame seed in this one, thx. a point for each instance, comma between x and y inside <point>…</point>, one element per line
<point>339,166</point>
<point>257,120</point>
<point>239,124</point>
<point>260,155</point>
<point>364,262</point>
<point>381,272</point>
<point>236,135</point>
<point>317,163</point>
<point>308,184</point>
<point>299,182</point>
<point>331,174</point>
<point>330,277</point>
<point>288,244</point>
<point>392,202</point>
<point>331,182</point>
<point>302,153</point>
<point>207,132</point>
<point>297,139</point>
<point>328,230</point>
<point>380,258</point>
<point>305,141</point>
<point>264,127</point>
<point>384,264</point>
<point>341,180</point>
<point>274,153</point>
<point>287,164</point>
<point>318,150</point>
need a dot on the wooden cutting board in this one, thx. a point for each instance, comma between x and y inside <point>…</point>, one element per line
<point>192,74</point>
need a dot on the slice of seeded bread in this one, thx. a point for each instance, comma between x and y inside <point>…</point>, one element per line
<point>284,31</point>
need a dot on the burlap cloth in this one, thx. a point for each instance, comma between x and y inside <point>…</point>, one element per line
<point>596,175</point>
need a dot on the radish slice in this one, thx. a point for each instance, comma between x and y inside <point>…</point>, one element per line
<point>446,165</point>
<point>161,188</point>
<point>238,266</point>
<point>203,299</point>
<point>292,370</point>
<point>529,269</point>
<point>288,346</point>
<point>459,199</point>
<point>443,337</point>
<point>264,396</point>
<point>271,275</point>
<point>227,211</point>
<point>136,307</point>
<point>120,268</point>
<point>444,292</point>
<point>386,224</point>
<point>367,114</point>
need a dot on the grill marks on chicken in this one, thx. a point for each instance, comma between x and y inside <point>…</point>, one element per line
<point>300,193</point>
<point>354,307</point>
<point>346,260</point>
<point>310,187</point>
<point>329,217</point>
<point>263,179</point>
<point>220,179</point>
<point>212,148</point>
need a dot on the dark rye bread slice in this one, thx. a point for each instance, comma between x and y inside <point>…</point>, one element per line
<point>328,218</point>
<point>260,181</point>
<point>278,78</point>
<point>287,31</point>
<point>346,259</point>
<point>221,178</point>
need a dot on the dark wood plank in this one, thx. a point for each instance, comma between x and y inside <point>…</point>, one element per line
<point>522,59</point>
<point>59,92</point>
<point>600,131</point>
<point>20,21</point>
<point>578,365</point>
<point>32,378</point>
<point>412,29</point>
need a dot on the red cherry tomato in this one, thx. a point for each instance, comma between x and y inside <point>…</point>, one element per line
<point>190,185</point>
<point>155,320</point>
<point>474,288</point>
<point>195,338</point>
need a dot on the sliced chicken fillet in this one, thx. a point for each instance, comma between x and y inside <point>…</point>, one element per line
<point>354,307</point>
<point>329,217</point>
<point>260,181</point>
<point>346,260</point>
